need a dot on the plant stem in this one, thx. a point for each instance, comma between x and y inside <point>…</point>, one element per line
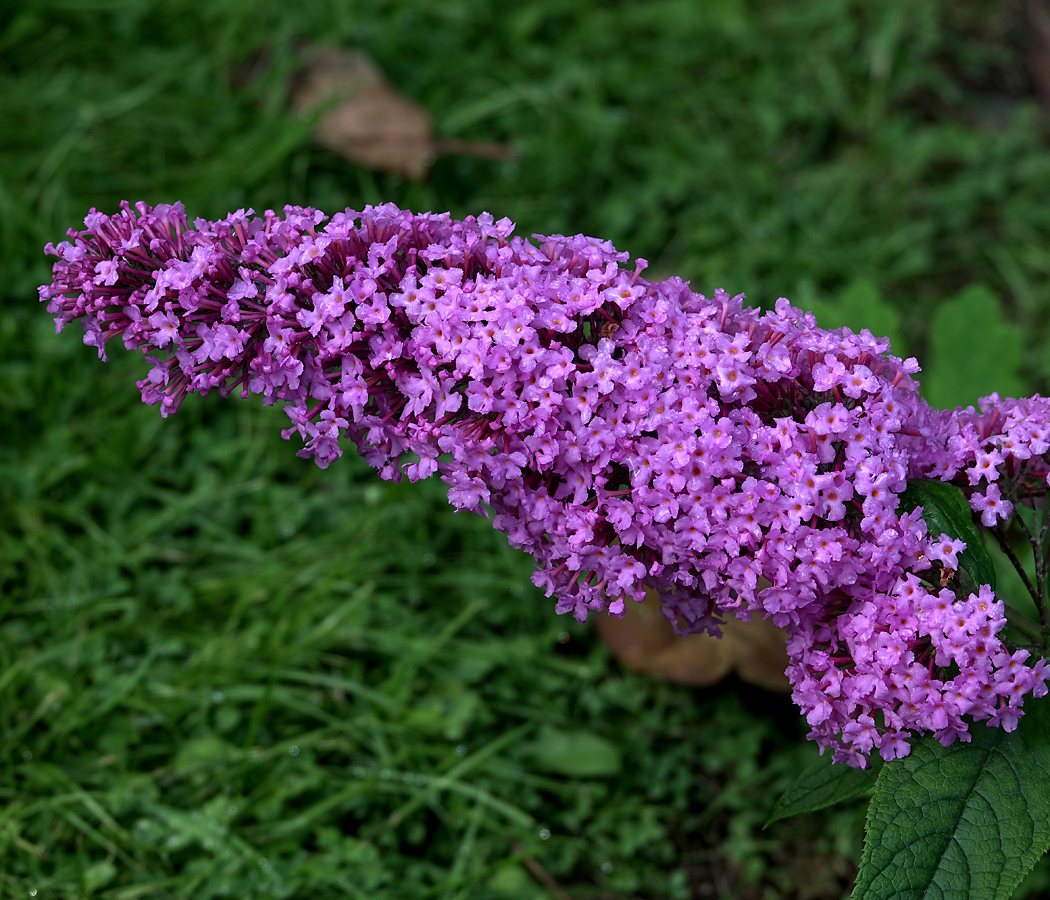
<point>1040,584</point>
<point>1042,551</point>
<point>1000,536</point>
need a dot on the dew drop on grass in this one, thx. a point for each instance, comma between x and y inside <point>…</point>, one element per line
<point>27,756</point>
<point>461,750</point>
<point>607,868</point>
<point>293,751</point>
<point>544,834</point>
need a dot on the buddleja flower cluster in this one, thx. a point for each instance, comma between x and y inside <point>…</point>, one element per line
<point>629,435</point>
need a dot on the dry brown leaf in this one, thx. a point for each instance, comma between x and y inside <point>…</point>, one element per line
<point>645,641</point>
<point>371,123</point>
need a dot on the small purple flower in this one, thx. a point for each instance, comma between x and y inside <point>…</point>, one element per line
<point>108,271</point>
<point>991,506</point>
<point>946,549</point>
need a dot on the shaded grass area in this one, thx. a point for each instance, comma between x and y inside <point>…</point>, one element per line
<point>226,673</point>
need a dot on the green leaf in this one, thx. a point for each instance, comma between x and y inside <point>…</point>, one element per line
<point>973,351</point>
<point>822,784</point>
<point>578,754</point>
<point>962,822</point>
<point>98,875</point>
<point>945,510</point>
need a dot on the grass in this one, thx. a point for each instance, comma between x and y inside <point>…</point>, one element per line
<point>224,672</point>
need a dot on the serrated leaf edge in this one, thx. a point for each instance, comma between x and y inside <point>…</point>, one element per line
<point>1005,889</point>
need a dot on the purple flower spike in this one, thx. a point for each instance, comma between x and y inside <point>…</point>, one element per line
<point>627,434</point>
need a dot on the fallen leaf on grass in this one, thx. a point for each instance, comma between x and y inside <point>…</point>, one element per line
<point>645,641</point>
<point>368,121</point>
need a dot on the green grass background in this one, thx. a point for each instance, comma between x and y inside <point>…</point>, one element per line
<point>225,673</point>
